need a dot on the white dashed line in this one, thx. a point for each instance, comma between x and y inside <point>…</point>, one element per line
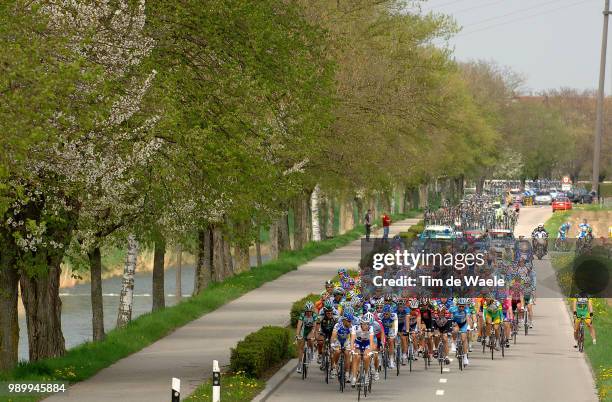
<point>440,392</point>
<point>445,370</point>
<point>443,380</point>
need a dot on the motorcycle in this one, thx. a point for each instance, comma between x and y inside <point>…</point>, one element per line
<point>540,246</point>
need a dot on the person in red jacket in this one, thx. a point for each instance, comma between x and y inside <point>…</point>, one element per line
<point>386,222</point>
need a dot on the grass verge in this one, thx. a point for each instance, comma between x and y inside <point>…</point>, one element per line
<point>85,360</point>
<point>599,356</point>
<point>236,387</point>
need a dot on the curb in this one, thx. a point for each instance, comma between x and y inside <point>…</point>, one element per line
<point>276,380</point>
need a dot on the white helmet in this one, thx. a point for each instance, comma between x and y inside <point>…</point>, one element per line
<point>414,303</point>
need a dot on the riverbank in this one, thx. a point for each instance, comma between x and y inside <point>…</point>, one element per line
<point>86,360</point>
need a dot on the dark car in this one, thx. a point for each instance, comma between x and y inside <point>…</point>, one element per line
<point>580,195</point>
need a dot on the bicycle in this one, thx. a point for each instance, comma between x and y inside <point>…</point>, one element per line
<point>459,352</point>
<point>441,353</point>
<point>326,360</point>
<point>384,357</point>
<point>515,326</point>
<point>361,381</point>
<point>306,358</point>
<point>502,338</point>
<point>581,335</point>
<point>341,369</point>
<point>526,320</point>
<point>410,352</point>
<point>398,356</point>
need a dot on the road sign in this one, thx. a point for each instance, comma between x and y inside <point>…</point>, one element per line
<point>566,180</point>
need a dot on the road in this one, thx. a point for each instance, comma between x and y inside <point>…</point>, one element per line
<point>188,352</point>
<point>542,366</point>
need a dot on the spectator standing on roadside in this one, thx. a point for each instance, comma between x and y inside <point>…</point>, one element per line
<point>368,223</point>
<point>386,222</point>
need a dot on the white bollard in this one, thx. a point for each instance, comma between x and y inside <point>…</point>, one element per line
<point>216,385</point>
<point>176,390</point>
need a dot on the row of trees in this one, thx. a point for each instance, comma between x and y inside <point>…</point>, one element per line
<point>170,122</point>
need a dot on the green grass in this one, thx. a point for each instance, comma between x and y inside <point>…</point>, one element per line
<point>236,387</point>
<point>85,360</point>
<point>599,356</point>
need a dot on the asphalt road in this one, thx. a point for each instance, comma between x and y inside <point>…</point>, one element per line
<point>542,366</point>
<point>188,352</point>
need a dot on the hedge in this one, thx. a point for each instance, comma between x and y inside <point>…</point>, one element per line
<point>298,307</point>
<point>261,350</point>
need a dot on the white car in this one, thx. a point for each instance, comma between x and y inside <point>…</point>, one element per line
<point>543,198</point>
<point>554,193</point>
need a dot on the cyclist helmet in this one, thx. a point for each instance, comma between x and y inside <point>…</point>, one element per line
<point>342,272</point>
<point>379,302</point>
<point>462,301</point>
<point>388,297</point>
<point>338,292</point>
<point>414,303</point>
<point>425,301</point>
<point>309,306</point>
<point>349,309</point>
<point>324,294</point>
<point>540,226</point>
<point>368,317</point>
<point>328,306</point>
<point>347,316</point>
<point>401,302</point>
<point>329,284</point>
<point>366,307</point>
<point>387,309</point>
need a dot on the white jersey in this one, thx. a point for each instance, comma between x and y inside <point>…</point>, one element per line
<point>362,335</point>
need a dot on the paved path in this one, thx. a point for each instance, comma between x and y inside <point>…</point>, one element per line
<point>188,352</point>
<point>543,366</point>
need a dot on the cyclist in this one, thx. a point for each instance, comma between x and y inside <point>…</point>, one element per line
<point>414,323</point>
<point>305,326</point>
<point>442,327</point>
<point>340,335</point>
<point>362,339</point>
<point>325,326</point>
<point>583,310</point>
<point>584,229</point>
<point>563,230</point>
<point>426,313</point>
<point>402,329</point>
<point>461,317</point>
<point>390,326</point>
<point>492,312</point>
<point>540,233</point>
<point>338,295</point>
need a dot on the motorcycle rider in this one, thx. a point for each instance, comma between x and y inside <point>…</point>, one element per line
<point>540,233</point>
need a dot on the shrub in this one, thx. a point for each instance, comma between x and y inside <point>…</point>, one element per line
<point>298,307</point>
<point>261,350</point>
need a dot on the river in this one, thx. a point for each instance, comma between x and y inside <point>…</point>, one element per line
<point>76,304</point>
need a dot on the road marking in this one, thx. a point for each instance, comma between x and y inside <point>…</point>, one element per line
<point>443,380</point>
<point>445,370</point>
<point>440,392</point>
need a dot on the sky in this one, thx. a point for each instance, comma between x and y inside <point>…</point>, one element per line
<point>552,44</point>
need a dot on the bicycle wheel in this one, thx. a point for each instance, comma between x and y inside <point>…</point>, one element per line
<point>398,358</point>
<point>326,363</point>
<point>411,357</point>
<point>492,345</point>
<point>460,354</point>
<point>385,360</point>
<point>502,342</point>
<point>525,322</point>
<point>304,364</point>
<point>581,338</point>
<point>341,378</point>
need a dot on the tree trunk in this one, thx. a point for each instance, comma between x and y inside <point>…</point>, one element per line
<point>243,262</point>
<point>329,225</point>
<point>40,296</point>
<point>228,263</point>
<point>284,241</point>
<point>402,201</point>
<point>360,211</point>
<point>217,255</point>
<point>9,324</point>
<point>393,204</point>
<point>314,214</point>
<point>480,185</point>
<point>423,195</point>
<point>179,273</point>
<point>97,305</point>
<point>159,297</point>
<point>273,235</point>
<point>126,297</point>
<point>299,230</point>
<point>347,217</point>
<point>204,263</point>
<point>258,246</point>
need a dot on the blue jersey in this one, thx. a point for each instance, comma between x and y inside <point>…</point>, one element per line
<point>459,316</point>
<point>342,332</point>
